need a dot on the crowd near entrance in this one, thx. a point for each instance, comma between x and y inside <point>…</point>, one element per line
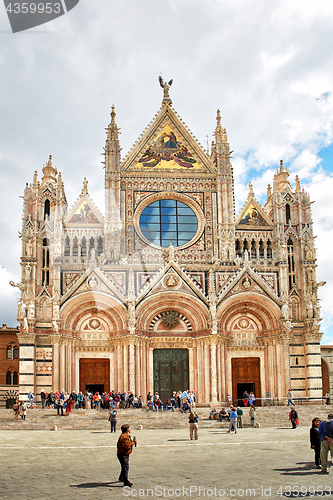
<point>171,371</point>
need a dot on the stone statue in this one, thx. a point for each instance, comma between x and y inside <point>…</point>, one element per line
<point>308,252</point>
<point>56,311</point>
<point>27,272</point>
<point>25,325</point>
<point>166,87</point>
<point>309,309</point>
<point>171,252</point>
<point>246,283</point>
<point>55,326</point>
<point>31,311</point>
<point>28,249</point>
<point>85,186</point>
<point>101,259</point>
<point>21,309</point>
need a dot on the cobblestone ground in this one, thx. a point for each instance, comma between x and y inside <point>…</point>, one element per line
<point>82,464</point>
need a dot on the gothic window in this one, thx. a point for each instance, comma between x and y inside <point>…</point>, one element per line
<point>67,247</point>
<point>83,248</point>
<point>46,208</point>
<point>288,213</point>
<point>246,245</point>
<point>291,264</point>
<point>168,221</point>
<point>238,248</point>
<point>269,249</point>
<point>75,247</point>
<point>100,246</point>
<point>46,262</point>
<point>261,249</point>
<point>253,249</point>
<point>8,378</point>
<point>15,378</point>
<point>294,309</point>
<point>9,352</point>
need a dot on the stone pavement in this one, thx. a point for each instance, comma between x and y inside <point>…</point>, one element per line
<point>82,464</point>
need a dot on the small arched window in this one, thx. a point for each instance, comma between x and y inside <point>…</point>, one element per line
<point>288,218</point>
<point>12,352</point>
<point>46,208</point>
<point>15,378</point>
<point>9,352</point>
<point>46,262</point>
<point>291,264</point>
<point>15,353</point>
<point>8,378</point>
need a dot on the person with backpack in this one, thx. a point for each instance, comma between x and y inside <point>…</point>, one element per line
<point>193,421</point>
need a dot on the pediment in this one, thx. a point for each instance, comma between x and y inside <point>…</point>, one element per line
<point>93,280</point>
<point>173,279</point>
<point>253,216</point>
<point>245,281</point>
<point>84,213</point>
<point>167,144</point>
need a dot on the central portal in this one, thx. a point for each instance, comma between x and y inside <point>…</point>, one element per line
<point>171,372</point>
<point>95,375</point>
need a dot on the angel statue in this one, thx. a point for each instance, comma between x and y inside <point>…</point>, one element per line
<point>166,87</point>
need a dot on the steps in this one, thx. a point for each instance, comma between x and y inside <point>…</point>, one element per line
<point>38,419</point>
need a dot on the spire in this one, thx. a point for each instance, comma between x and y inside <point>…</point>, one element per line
<point>112,130</point>
<point>298,185</point>
<point>281,182</point>
<point>281,166</point>
<point>49,172</point>
<point>35,180</point>
<point>218,130</point>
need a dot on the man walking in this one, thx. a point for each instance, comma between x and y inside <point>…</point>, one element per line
<point>290,398</point>
<point>326,438</point>
<point>124,449</point>
<point>43,398</point>
<point>31,398</point>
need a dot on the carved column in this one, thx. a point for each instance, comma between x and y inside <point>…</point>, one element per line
<point>132,368</point>
<point>207,373</point>
<point>55,339</point>
<point>62,365</point>
<point>213,375</point>
<point>27,368</point>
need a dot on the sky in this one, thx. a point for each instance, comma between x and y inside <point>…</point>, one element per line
<point>268,66</point>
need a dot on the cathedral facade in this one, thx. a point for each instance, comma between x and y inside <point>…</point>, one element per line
<point>169,289</point>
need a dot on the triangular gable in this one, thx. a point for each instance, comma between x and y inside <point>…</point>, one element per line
<point>47,194</point>
<point>93,280</point>
<point>167,144</point>
<point>84,213</point>
<point>172,277</point>
<point>253,216</point>
<point>247,280</point>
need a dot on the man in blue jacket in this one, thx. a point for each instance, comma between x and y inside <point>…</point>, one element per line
<point>326,438</point>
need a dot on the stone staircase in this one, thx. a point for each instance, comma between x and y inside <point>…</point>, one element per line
<point>46,419</point>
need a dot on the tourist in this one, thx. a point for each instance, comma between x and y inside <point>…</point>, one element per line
<point>213,415</point>
<point>23,410</point>
<point>159,405</point>
<point>185,407</point>
<point>80,399</point>
<point>326,441</point>
<point>239,417</point>
<point>245,399</point>
<point>124,449</point>
<point>16,409</point>
<point>251,398</point>
<point>140,402</point>
<point>293,417</point>
<point>69,404</point>
<point>96,400</point>
<point>168,406</point>
<point>60,406</point>
<point>327,398</point>
<point>233,420</point>
<point>193,421</point>
<point>223,415</point>
<point>315,440</point>
<point>290,398</point>
<point>43,398</point>
<point>252,414</point>
<point>113,419</point>
<point>31,398</point>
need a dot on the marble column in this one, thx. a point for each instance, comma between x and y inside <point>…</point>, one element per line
<point>131,366</point>
<point>55,339</point>
<point>213,375</point>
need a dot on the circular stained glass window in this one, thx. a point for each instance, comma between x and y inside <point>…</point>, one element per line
<point>168,221</point>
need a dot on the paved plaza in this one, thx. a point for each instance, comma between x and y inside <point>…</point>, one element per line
<point>82,464</point>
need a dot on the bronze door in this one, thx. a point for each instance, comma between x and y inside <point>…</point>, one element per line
<point>171,372</point>
<point>95,375</point>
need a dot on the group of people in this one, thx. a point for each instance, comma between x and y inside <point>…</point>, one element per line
<point>184,401</point>
<point>321,441</point>
<point>229,414</point>
<point>19,409</point>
